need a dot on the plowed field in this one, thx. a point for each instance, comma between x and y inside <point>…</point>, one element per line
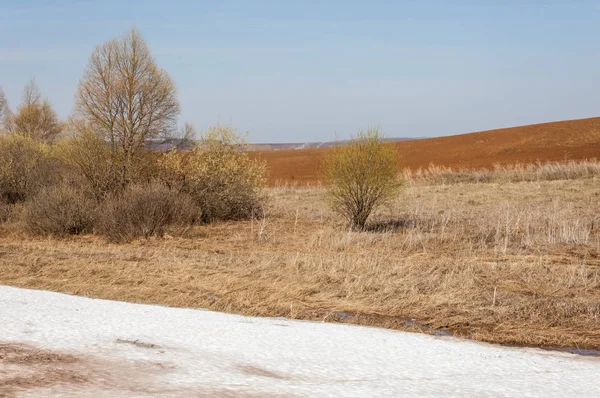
<point>556,141</point>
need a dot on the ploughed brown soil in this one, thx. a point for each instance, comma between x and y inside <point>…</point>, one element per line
<point>556,141</point>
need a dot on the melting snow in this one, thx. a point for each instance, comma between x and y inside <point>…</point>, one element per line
<point>143,350</point>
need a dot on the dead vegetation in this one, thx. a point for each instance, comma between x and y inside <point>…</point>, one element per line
<point>144,211</point>
<point>59,211</point>
<point>510,262</point>
<point>538,171</point>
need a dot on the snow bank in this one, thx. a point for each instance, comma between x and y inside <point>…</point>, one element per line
<point>142,350</point>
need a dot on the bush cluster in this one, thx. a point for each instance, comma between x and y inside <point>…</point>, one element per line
<point>26,167</point>
<point>74,186</point>
<point>145,211</point>
<point>60,211</point>
<point>218,175</point>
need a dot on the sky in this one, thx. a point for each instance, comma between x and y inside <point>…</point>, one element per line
<point>299,71</point>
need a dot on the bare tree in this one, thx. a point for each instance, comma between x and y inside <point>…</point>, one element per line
<point>3,103</point>
<point>35,117</point>
<point>127,99</point>
<point>31,94</point>
<point>179,140</point>
<point>5,114</point>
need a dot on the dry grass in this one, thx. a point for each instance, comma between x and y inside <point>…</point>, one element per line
<point>515,263</point>
<point>539,171</point>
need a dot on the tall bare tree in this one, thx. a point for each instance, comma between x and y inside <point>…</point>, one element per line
<point>5,114</point>
<point>35,117</point>
<point>126,99</point>
<point>31,94</point>
<point>3,103</point>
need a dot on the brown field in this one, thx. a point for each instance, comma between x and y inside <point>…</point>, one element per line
<point>515,261</point>
<point>557,141</point>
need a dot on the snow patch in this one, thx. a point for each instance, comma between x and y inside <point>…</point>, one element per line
<point>158,351</point>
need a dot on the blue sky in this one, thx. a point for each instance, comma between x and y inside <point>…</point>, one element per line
<point>296,71</point>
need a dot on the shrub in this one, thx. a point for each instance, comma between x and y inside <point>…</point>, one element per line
<point>361,176</point>
<point>90,162</point>
<point>218,174</point>
<point>5,211</point>
<point>145,211</point>
<point>26,167</point>
<point>60,211</point>
<point>97,166</point>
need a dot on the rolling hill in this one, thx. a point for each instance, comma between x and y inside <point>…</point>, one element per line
<point>555,141</point>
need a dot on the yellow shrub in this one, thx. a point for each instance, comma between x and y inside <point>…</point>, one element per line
<point>26,167</point>
<point>224,182</point>
<point>362,175</point>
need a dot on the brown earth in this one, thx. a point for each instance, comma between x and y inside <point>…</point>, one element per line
<point>556,141</point>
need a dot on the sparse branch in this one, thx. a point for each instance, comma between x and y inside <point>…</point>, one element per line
<point>31,94</point>
<point>5,114</point>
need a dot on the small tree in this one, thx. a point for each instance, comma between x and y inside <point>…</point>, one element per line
<point>35,117</point>
<point>362,175</point>
<point>127,100</point>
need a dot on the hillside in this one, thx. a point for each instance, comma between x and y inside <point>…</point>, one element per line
<point>572,139</point>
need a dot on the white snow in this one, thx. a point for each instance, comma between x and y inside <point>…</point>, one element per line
<point>184,352</point>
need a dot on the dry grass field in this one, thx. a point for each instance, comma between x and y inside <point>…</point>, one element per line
<point>514,259</point>
<point>557,141</point>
